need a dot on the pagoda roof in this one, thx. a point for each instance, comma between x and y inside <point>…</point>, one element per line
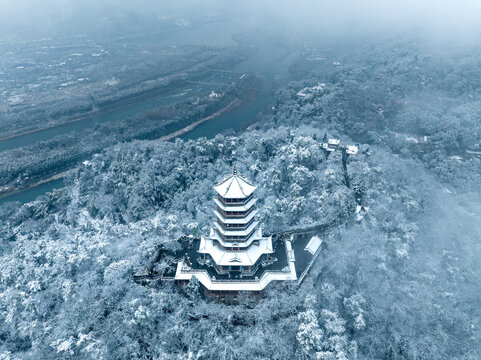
<point>234,232</point>
<point>285,269</point>
<point>240,220</point>
<point>235,207</point>
<point>214,235</point>
<point>234,186</point>
<point>247,257</point>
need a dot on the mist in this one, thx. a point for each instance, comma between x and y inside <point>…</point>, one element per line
<point>439,21</point>
<point>356,123</point>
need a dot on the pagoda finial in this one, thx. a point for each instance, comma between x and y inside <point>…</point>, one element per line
<point>234,171</point>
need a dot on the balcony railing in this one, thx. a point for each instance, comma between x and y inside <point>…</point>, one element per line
<point>243,280</point>
<point>235,214</point>
<point>234,202</point>
<point>237,237</point>
<point>235,226</point>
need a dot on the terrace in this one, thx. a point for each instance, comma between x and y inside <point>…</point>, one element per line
<point>276,261</point>
<point>289,261</point>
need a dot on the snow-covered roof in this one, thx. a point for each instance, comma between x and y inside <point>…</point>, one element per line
<point>234,231</point>
<point>352,149</point>
<point>234,206</point>
<point>313,244</point>
<point>239,285</point>
<point>333,141</point>
<point>234,187</point>
<point>246,257</point>
<point>240,220</point>
<point>325,146</point>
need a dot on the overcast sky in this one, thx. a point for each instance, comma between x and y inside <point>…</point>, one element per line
<point>437,18</point>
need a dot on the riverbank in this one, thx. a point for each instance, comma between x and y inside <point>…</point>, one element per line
<point>26,166</point>
<point>106,109</point>
<point>269,62</point>
<point>13,191</point>
<point>233,104</point>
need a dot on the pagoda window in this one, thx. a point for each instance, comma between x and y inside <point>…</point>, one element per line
<point>236,226</point>
<point>235,214</point>
<point>236,237</point>
<point>241,201</point>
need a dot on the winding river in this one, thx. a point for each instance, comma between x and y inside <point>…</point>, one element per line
<point>270,62</point>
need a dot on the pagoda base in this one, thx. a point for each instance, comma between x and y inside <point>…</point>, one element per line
<point>281,270</point>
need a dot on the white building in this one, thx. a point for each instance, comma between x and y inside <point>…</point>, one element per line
<point>331,145</point>
<point>352,149</point>
<point>236,256</point>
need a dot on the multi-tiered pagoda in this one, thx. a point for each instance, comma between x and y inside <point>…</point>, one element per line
<point>236,244</point>
<point>236,256</point>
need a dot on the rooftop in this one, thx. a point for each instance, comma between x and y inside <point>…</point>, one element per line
<point>289,261</point>
<point>234,186</point>
<point>236,207</point>
<point>279,255</point>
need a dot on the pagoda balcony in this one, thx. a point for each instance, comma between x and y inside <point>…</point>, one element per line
<point>236,221</point>
<point>244,270</point>
<point>236,244</point>
<point>235,207</point>
<point>234,202</point>
<point>246,257</point>
<point>236,234</point>
<point>236,227</point>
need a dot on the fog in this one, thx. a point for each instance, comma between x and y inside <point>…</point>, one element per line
<point>443,21</point>
<point>357,121</point>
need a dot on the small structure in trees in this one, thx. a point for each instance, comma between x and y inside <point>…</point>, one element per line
<point>352,149</point>
<point>331,144</point>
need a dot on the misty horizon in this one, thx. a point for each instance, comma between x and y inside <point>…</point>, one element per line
<point>240,180</point>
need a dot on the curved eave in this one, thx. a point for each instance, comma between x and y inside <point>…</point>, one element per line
<point>242,220</point>
<point>211,283</point>
<point>244,207</point>
<point>247,257</point>
<point>236,232</point>
<point>234,187</point>
<point>238,244</point>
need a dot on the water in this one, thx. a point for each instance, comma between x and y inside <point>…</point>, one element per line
<point>271,63</point>
<point>34,192</point>
<point>204,34</point>
<point>124,112</point>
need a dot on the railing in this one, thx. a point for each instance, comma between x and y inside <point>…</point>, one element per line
<point>239,215</point>
<point>234,202</point>
<point>236,228</point>
<point>238,238</point>
<point>243,280</point>
<point>264,274</point>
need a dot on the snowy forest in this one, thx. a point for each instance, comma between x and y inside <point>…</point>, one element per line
<point>400,281</point>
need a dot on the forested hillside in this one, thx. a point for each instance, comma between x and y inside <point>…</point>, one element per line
<point>401,282</point>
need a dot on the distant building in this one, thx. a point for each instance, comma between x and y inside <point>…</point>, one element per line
<point>331,145</point>
<point>352,149</point>
<point>236,257</point>
<point>411,138</point>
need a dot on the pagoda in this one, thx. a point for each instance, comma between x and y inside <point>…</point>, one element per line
<point>235,243</point>
<point>236,256</point>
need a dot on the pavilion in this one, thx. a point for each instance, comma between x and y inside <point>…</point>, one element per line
<point>236,256</point>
